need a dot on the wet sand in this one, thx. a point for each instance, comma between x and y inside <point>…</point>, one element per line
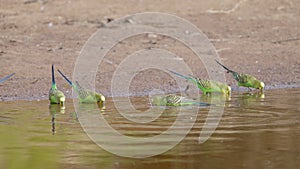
<point>261,38</point>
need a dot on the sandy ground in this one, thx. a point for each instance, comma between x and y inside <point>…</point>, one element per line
<point>261,38</point>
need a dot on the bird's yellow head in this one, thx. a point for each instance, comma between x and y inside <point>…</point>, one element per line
<point>228,90</point>
<point>100,99</point>
<point>261,86</point>
<point>62,101</point>
<point>258,85</point>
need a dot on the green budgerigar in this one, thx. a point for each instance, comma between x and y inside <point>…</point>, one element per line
<point>245,80</point>
<point>56,96</point>
<point>174,100</point>
<point>7,77</point>
<point>206,86</point>
<point>84,95</point>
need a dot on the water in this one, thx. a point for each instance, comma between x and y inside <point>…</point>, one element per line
<point>256,131</point>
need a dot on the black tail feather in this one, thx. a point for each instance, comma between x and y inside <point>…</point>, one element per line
<point>53,78</point>
<point>69,81</point>
<point>178,74</point>
<point>228,70</point>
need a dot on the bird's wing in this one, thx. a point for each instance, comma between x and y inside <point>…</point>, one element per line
<point>205,83</point>
<point>173,99</point>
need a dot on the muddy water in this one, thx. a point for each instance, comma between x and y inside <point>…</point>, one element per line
<point>255,131</point>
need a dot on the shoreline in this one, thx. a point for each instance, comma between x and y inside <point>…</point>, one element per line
<point>242,90</point>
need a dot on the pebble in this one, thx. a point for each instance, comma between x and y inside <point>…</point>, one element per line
<point>50,24</point>
<point>152,35</point>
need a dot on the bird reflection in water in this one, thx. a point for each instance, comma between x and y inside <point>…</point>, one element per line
<point>55,109</point>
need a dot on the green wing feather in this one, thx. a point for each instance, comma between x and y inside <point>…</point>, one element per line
<point>174,100</point>
<point>202,84</point>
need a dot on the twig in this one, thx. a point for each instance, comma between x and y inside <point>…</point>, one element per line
<point>226,11</point>
<point>287,40</point>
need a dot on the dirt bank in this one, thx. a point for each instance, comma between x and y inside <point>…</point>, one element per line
<point>256,37</point>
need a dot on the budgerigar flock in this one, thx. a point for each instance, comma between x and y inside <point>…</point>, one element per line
<point>245,79</point>
<point>7,77</point>
<point>206,86</point>
<point>55,95</point>
<point>84,95</point>
<point>174,100</point>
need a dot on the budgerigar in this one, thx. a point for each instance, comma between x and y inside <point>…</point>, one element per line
<point>7,77</point>
<point>56,96</point>
<point>207,86</point>
<point>245,79</point>
<point>174,100</point>
<point>84,95</point>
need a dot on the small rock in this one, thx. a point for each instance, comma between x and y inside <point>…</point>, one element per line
<point>12,41</point>
<point>109,20</point>
<point>50,24</point>
<point>280,8</point>
<point>152,35</point>
<point>42,8</point>
<point>153,42</point>
<point>129,21</point>
<point>29,1</point>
